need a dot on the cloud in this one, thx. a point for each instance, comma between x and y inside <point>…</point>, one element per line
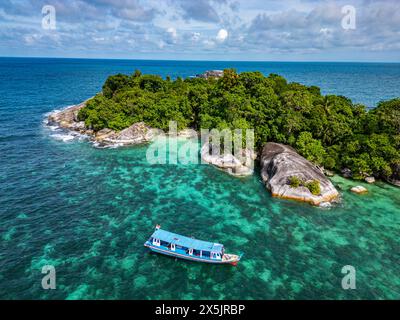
<point>321,28</point>
<point>195,36</point>
<point>199,10</point>
<point>172,32</point>
<point>259,27</point>
<point>171,36</point>
<point>222,35</point>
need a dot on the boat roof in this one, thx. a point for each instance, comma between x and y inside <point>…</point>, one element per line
<point>187,242</point>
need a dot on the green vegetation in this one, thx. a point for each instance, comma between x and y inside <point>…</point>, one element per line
<point>329,130</point>
<point>314,187</point>
<point>295,182</point>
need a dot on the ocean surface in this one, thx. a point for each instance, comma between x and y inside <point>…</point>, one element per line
<point>88,211</point>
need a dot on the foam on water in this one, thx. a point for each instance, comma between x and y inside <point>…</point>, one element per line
<point>56,132</point>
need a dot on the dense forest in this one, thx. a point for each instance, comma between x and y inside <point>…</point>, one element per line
<point>328,130</point>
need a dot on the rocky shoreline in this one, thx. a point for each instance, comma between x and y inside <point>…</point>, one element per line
<point>68,119</point>
<point>279,163</point>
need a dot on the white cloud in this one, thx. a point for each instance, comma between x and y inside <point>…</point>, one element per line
<point>325,31</point>
<point>222,35</point>
<point>195,36</point>
<point>208,43</point>
<point>172,32</point>
<point>256,27</point>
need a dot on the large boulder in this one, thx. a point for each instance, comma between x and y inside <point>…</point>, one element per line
<point>237,165</point>
<point>135,134</point>
<point>279,163</point>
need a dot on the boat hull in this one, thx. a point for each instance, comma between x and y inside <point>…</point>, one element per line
<point>190,258</point>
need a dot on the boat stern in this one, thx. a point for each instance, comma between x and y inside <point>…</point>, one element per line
<point>232,259</point>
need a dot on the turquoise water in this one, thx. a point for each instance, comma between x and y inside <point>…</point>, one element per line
<point>88,211</point>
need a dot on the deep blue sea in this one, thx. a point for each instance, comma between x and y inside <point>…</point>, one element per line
<point>88,211</point>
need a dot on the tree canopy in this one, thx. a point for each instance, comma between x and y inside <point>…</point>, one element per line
<point>328,130</point>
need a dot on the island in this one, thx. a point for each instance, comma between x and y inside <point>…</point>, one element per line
<point>300,135</point>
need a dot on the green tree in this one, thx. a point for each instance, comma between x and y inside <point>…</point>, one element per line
<point>310,148</point>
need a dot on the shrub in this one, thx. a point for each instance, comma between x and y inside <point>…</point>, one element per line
<point>295,182</point>
<point>314,187</point>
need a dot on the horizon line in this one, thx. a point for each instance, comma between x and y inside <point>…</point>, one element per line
<point>201,60</point>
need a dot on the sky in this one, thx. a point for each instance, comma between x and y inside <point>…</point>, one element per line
<point>262,30</point>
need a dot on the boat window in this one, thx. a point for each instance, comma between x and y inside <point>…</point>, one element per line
<point>156,242</point>
<point>172,246</point>
<point>164,243</point>
<point>196,252</point>
<point>191,251</point>
<point>218,256</point>
<point>206,254</point>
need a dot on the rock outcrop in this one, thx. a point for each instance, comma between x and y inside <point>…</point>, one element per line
<point>239,165</point>
<point>68,118</point>
<point>211,74</point>
<point>359,190</point>
<point>395,177</point>
<point>135,134</point>
<point>370,180</point>
<point>279,163</point>
<point>346,173</point>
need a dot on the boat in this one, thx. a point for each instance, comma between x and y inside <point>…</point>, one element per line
<point>175,245</point>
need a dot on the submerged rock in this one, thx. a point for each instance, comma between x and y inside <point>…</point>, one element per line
<point>280,162</point>
<point>359,189</point>
<point>238,165</point>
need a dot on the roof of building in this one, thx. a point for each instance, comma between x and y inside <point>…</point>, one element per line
<point>186,241</point>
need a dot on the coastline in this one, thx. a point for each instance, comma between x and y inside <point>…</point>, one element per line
<point>100,139</point>
<point>88,210</point>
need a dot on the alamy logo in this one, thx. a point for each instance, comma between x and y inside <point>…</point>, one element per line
<point>349,19</point>
<point>226,147</point>
<point>49,280</point>
<point>349,280</point>
<point>49,17</point>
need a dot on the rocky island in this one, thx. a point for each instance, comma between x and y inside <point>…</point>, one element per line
<point>299,133</point>
<point>281,163</point>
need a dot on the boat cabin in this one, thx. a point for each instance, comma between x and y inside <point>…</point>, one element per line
<point>185,246</point>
